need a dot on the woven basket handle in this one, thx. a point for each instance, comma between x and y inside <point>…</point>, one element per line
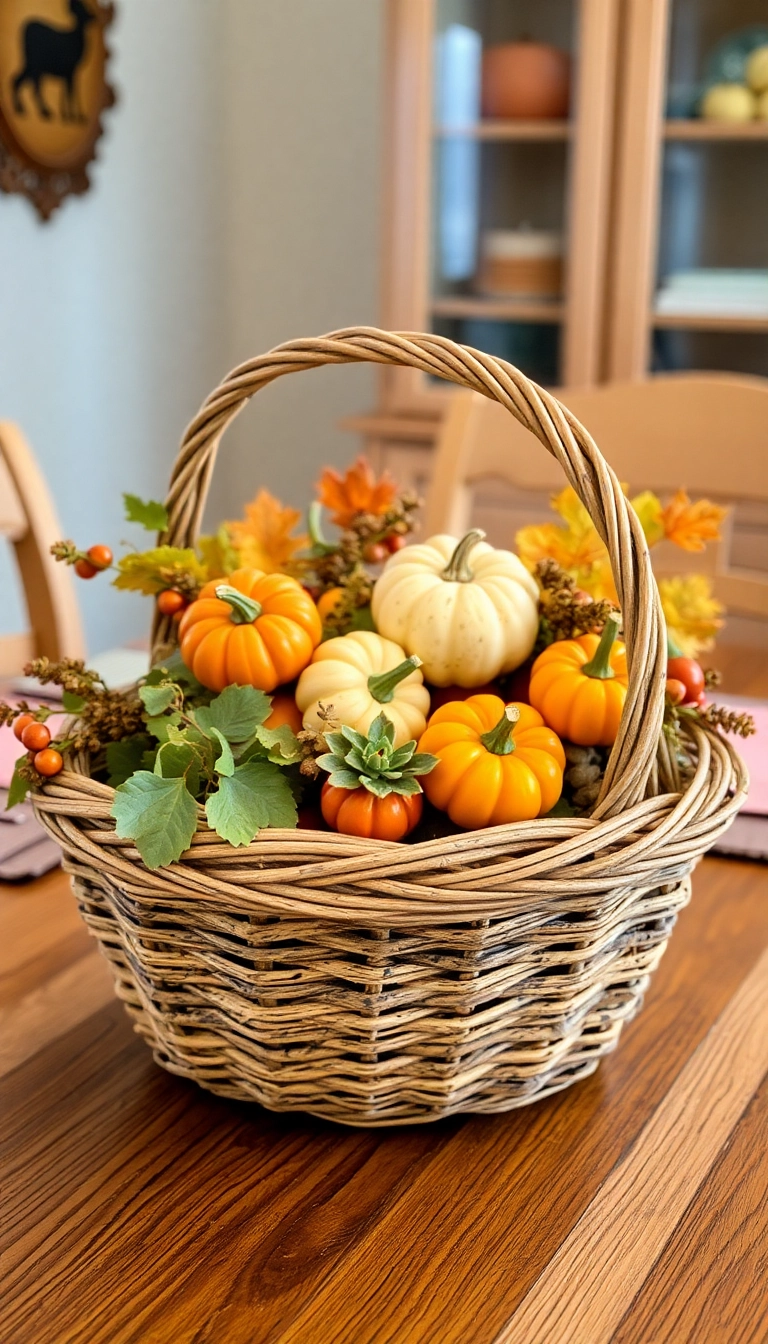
<point>596,485</point>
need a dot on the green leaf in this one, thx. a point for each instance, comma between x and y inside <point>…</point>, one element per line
<point>160,725</point>
<point>344,779</point>
<point>149,758</point>
<point>225,761</point>
<point>421,763</point>
<point>338,743</point>
<point>256,795</point>
<point>236,713</point>
<point>150,514</point>
<point>173,668</point>
<point>281,743</point>
<point>73,704</point>
<point>562,808</point>
<point>125,758</point>
<point>179,760</point>
<point>355,738</point>
<point>18,787</point>
<point>159,815</point>
<point>156,699</point>
<point>356,760</point>
<point>362,619</point>
<point>381,730</point>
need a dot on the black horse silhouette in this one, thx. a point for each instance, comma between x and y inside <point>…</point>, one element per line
<point>57,52</point>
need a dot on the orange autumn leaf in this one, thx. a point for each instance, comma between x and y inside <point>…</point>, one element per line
<point>690,526</point>
<point>263,537</point>
<point>357,491</point>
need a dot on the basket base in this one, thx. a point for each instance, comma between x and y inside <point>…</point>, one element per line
<point>378,1027</point>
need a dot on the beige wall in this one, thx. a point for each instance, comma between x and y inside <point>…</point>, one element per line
<point>234,205</point>
<point>301,160</point>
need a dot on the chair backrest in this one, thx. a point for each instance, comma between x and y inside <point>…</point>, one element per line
<point>706,432</point>
<point>28,520</point>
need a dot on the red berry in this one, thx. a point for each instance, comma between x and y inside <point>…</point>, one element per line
<point>395,542</point>
<point>85,569</point>
<point>36,736</point>
<point>48,762</point>
<point>21,723</point>
<point>100,556</point>
<point>690,673</point>
<point>375,552</point>
<point>171,601</point>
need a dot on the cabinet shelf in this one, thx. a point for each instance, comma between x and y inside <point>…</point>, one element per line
<point>506,130</point>
<point>708,322</point>
<point>696,129</point>
<point>504,310</point>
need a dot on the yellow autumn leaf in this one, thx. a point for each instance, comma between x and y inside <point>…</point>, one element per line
<point>648,508</point>
<point>163,567</point>
<point>691,525</point>
<point>263,538</point>
<point>218,554</point>
<point>692,614</point>
<point>572,511</point>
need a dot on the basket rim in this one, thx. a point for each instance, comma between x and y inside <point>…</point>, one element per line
<point>658,838</point>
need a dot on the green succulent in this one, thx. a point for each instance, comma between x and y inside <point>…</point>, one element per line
<point>374,762</point>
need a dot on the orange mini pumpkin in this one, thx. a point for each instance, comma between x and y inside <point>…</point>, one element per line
<point>358,812</point>
<point>254,630</point>
<point>497,763</point>
<point>579,686</point>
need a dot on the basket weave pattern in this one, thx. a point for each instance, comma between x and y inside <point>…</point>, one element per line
<point>376,983</point>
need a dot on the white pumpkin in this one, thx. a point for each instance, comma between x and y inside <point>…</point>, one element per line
<point>361,674</point>
<point>468,611</point>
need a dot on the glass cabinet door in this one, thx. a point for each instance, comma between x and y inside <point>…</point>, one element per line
<point>516,111</point>
<point>691,281</point>
<point>710,308</point>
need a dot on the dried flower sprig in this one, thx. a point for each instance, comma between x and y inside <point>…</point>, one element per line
<point>566,610</point>
<point>313,741</point>
<point>728,720</point>
<point>101,715</point>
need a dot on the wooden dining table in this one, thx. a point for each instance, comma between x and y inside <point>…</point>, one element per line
<point>633,1207</point>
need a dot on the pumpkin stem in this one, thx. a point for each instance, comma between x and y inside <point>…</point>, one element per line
<point>499,739</point>
<point>382,687</point>
<point>244,611</point>
<point>457,570</point>
<point>600,664</point>
<point>314,527</point>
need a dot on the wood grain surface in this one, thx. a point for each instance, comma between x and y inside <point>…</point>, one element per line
<point>139,1210</point>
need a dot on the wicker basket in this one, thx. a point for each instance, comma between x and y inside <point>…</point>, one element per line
<point>375,983</point>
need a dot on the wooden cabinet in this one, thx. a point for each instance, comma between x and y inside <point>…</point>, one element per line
<point>631,182</point>
<point>690,196</point>
<point>448,170</point>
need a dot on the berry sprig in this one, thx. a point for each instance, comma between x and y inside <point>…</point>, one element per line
<point>86,564</point>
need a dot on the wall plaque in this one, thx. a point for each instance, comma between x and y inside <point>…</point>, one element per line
<point>53,91</point>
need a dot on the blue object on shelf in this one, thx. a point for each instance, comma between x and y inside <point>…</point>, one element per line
<point>728,62</point>
<point>458,62</point>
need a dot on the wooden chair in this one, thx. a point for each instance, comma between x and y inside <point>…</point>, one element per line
<point>28,520</point>
<point>706,432</point>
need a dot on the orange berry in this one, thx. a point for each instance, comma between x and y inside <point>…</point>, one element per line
<point>85,570</point>
<point>99,556</point>
<point>375,552</point>
<point>21,723</point>
<point>395,542</point>
<point>48,762</point>
<point>675,691</point>
<point>171,601</point>
<point>36,736</point>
